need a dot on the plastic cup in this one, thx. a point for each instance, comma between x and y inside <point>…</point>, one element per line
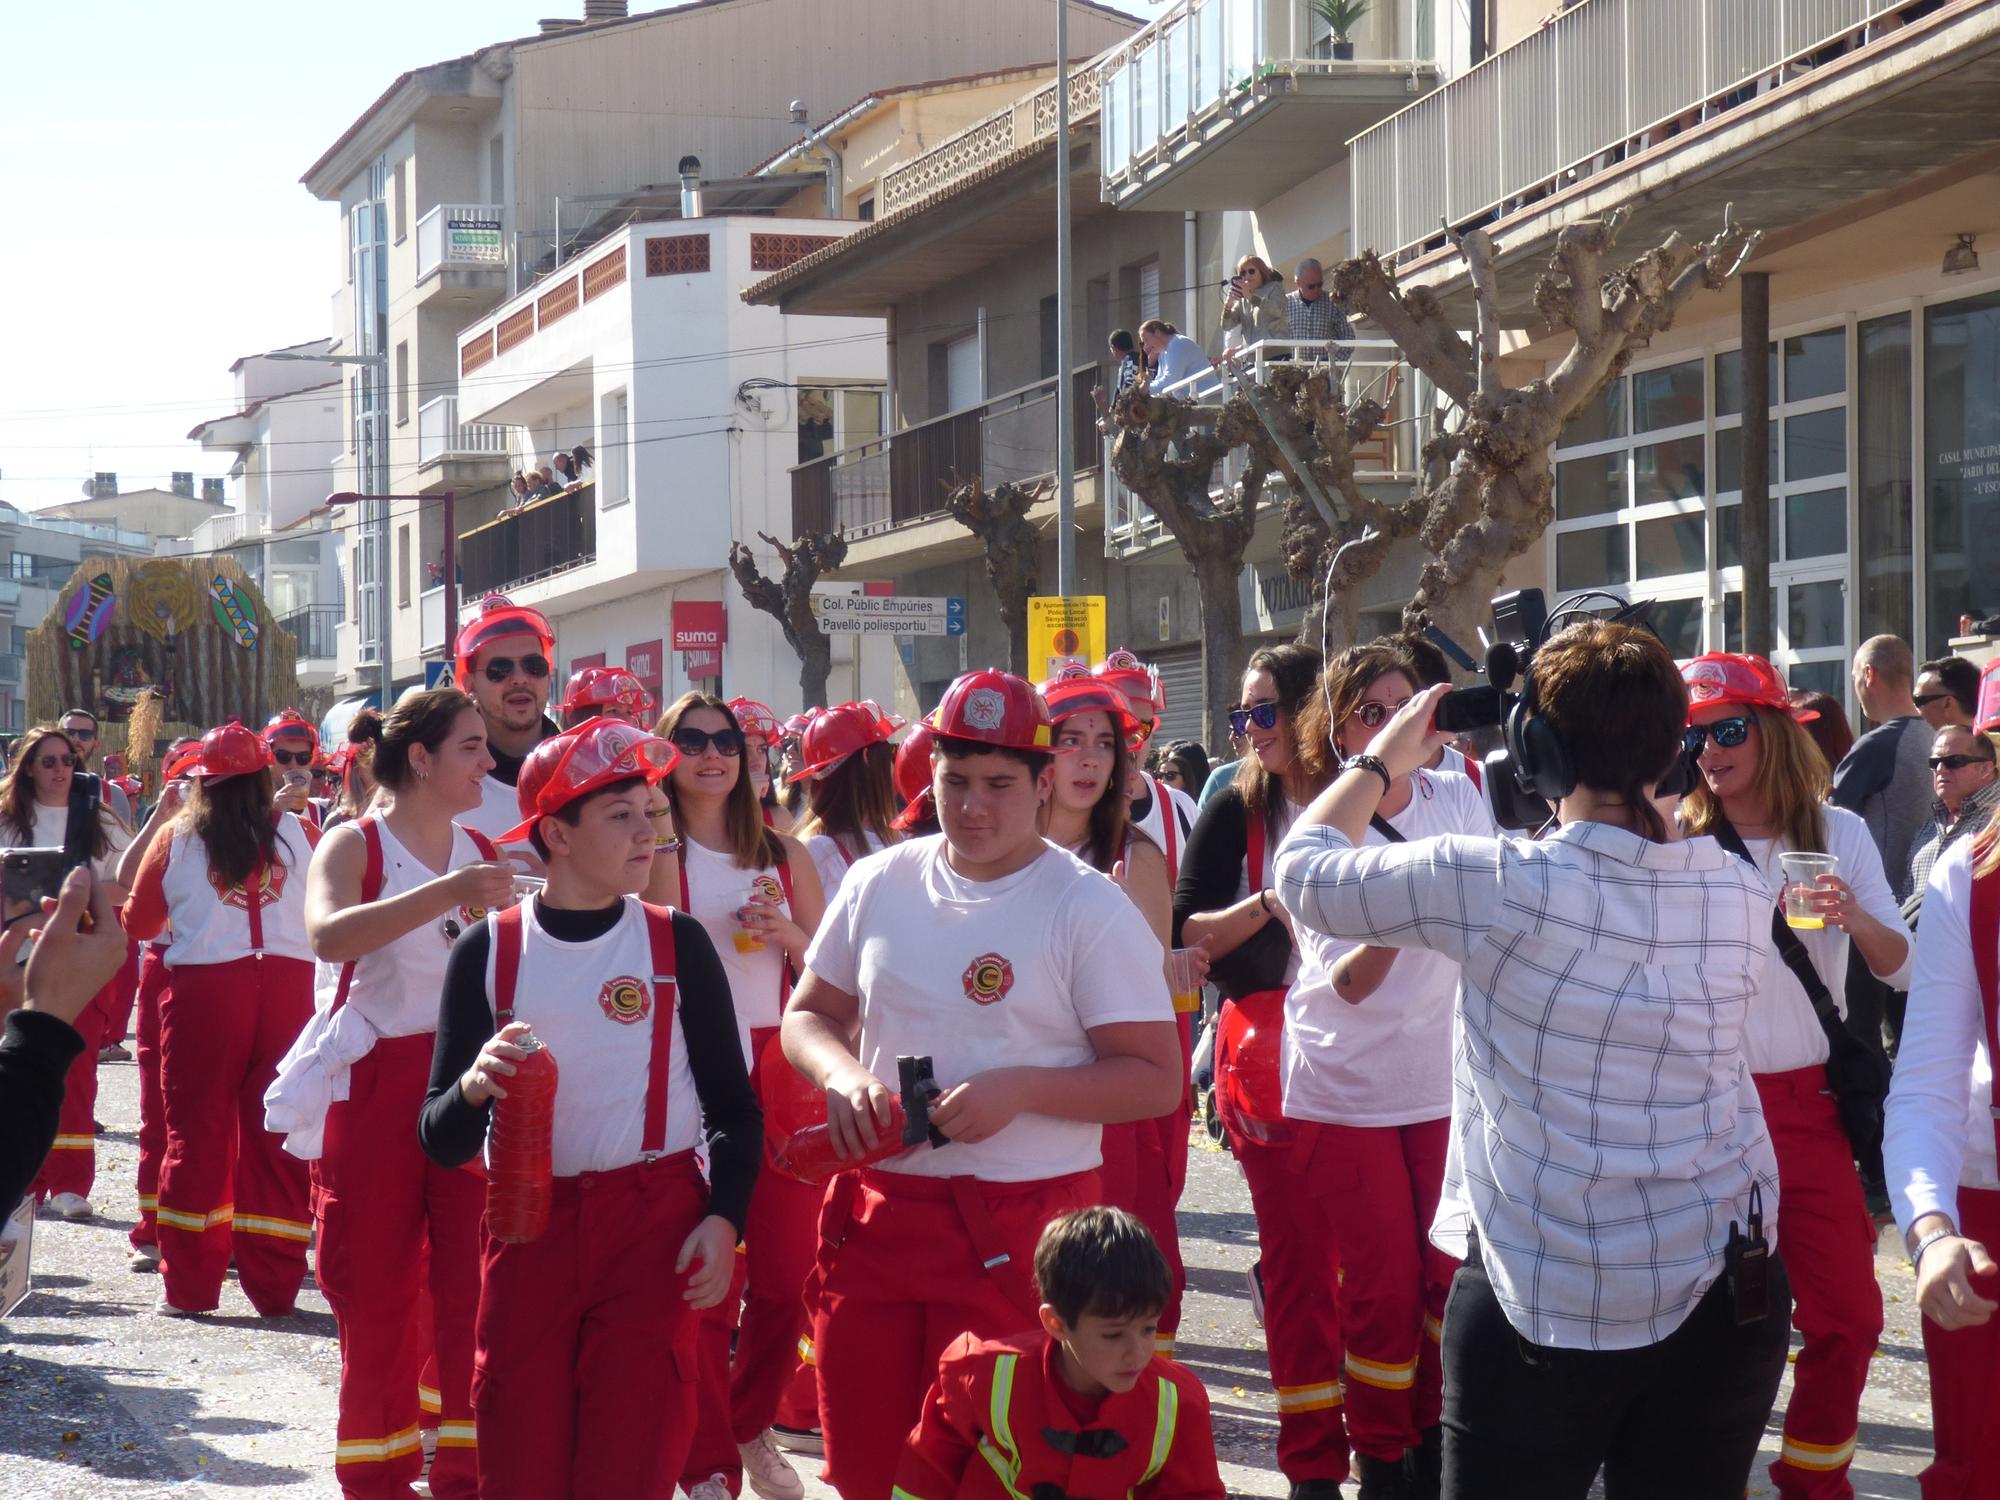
<point>526,887</point>
<point>1802,872</point>
<point>746,942</point>
<point>1184,981</point>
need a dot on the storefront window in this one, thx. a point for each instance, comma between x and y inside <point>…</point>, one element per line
<point>1887,516</point>
<point>1962,462</point>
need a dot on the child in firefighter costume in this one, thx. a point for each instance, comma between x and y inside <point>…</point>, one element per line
<point>583,1381</point>
<point>1034,987</point>
<point>1083,1407</point>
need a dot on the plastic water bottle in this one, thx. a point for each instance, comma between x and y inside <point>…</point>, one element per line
<point>520,1172</point>
<point>809,1156</point>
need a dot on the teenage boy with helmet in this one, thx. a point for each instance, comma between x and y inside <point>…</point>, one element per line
<point>504,657</point>
<point>583,1376</point>
<point>1037,991</point>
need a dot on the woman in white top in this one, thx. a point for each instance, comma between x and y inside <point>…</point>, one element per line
<point>1763,779</point>
<point>756,893</point>
<point>385,898</point>
<point>849,774</point>
<point>34,814</point>
<point>231,877</point>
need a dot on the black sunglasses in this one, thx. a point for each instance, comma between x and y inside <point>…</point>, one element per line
<point>1960,762</point>
<point>1925,700</point>
<point>50,762</point>
<point>292,757</point>
<point>1263,715</point>
<point>502,667</point>
<point>692,742</point>
<point>81,734</point>
<point>1727,733</point>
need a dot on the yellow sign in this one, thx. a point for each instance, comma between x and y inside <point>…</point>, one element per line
<point>1064,630</point>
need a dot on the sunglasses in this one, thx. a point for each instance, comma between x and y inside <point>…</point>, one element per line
<point>1727,733</point>
<point>1263,715</point>
<point>1925,700</point>
<point>693,742</point>
<point>91,734</point>
<point>502,667</point>
<point>1375,715</point>
<point>293,757</point>
<point>1960,762</point>
<point>50,762</point>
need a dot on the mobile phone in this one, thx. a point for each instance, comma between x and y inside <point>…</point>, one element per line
<point>1469,708</point>
<point>27,875</point>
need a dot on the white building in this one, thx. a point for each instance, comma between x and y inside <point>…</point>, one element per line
<point>695,407</point>
<point>42,553</point>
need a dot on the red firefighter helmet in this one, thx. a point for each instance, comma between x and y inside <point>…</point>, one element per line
<point>1133,678</point>
<point>1075,691</point>
<point>291,721</point>
<point>913,777</point>
<point>1248,1085</point>
<point>575,763</point>
<point>175,763</point>
<point>1730,677</point>
<point>791,1103</point>
<point>992,707</point>
<point>756,720</point>
<point>228,750</point>
<point>838,733</point>
<point>494,619</point>
<point>606,687</point>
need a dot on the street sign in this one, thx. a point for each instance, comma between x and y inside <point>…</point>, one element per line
<point>1064,630</point>
<point>898,614</point>
<point>437,674</point>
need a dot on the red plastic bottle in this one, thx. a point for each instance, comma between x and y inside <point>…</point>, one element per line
<point>519,1144</point>
<point>809,1156</point>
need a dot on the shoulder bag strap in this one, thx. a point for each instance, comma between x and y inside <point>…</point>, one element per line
<point>660,934</point>
<point>1790,949</point>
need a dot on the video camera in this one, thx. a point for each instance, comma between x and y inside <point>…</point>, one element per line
<point>1522,624</point>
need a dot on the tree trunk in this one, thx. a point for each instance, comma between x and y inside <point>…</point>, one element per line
<point>815,665</point>
<point>999,518</point>
<point>1013,598</point>
<point>1223,648</point>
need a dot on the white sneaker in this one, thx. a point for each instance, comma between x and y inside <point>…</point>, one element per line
<point>766,1471</point>
<point>804,1441</point>
<point>144,1259</point>
<point>166,1309</point>
<point>71,1205</point>
<point>715,1487</point>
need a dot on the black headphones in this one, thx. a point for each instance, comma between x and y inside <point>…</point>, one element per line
<point>1541,760</point>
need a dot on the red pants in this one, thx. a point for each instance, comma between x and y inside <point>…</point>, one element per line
<point>391,1223</point>
<point>1144,1172</point>
<point>124,992</point>
<point>739,1396</point>
<point>583,1385</point>
<point>152,1107</point>
<point>906,1265</point>
<point>1828,1241</point>
<point>72,1162</point>
<point>1381,1187</point>
<point>1301,1260</point>
<point>1965,1398</point>
<point>227,1185</point>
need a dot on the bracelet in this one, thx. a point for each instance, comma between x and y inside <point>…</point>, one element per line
<point>1366,762</point>
<point>1264,903</point>
<point>1917,1255</point>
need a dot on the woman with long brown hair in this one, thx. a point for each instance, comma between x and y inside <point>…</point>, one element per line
<point>849,774</point>
<point>231,877</point>
<point>1763,793</point>
<point>35,814</point>
<point>756,893</point>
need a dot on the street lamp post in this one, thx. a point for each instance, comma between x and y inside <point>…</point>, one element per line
<point>449,499</point>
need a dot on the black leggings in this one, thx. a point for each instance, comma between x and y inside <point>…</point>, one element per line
<point>1676,1420</point>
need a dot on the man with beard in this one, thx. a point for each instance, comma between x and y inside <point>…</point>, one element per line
<point>504,660</point>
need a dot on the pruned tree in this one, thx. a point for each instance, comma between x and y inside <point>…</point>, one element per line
<point>788,598</point>
<point>999,518</point>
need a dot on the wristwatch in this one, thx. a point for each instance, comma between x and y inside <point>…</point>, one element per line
<point>1366,762</point>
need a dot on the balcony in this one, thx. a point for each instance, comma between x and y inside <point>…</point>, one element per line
<point>1228,103</point>
<point>316,628</point>
<point>430,620</point>
<point>1791,111</point>
<point>536,541</point>
<point>442,438</point>
<point>901,479</point>
<point>461,248</point>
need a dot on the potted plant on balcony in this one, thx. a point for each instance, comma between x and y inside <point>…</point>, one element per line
<point>1341,17</point>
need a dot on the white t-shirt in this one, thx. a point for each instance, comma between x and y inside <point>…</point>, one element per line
<point>831,863</point>
<point>212,926</point>
<point>1387,1060</point>
<point>979,975</point>
<point>1781,1032</point>
<point>717,887</point>
<point>499,810</point>
<point>1154,824</point>
<point>399,985</point>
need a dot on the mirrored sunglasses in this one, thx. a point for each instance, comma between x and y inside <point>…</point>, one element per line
<point>1727,733</point>
<point>1263,715</point>
<point>502,667</point>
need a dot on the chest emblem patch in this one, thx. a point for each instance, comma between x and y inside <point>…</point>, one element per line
<point>988,978</point>
<point>626,1000</point>
<point>457,921</point>
<point>273,886</point>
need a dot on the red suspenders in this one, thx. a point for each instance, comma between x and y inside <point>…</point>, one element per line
<point>371,891</point>
<point>1169,821</point>
<point>1253,853</point>
<point>1986,962</point>
<point>785,883</point>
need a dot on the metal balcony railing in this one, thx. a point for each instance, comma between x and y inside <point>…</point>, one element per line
<point>1601,81</point>
<point>315,628</point>
<point>440,435</point>
<point>537,540</point>
<point>460,235</point>
<point>905,476</point>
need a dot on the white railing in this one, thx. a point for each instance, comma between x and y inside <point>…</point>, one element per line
<point>1370,369</point>
<point>1594,84</point>
<point>1169,78</point>
<point>465,235</point>
<point>440,435</point>
<point>218,532</point>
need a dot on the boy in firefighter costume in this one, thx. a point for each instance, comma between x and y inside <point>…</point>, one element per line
<point>1084,1407</point>
<point>583,1372</point>
<point>1036,989</point>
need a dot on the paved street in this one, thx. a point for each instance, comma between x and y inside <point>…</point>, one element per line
<point>101,1398</point>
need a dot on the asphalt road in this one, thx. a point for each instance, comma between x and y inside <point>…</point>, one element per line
<point>100,1397</point>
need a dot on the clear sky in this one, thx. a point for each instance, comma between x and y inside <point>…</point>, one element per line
<point>151,151</point>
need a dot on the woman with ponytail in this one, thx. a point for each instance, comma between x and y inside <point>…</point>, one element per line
<point>849,776</point>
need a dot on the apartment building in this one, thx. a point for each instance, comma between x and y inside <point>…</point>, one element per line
<point>43,549</point>
<point>470,179</point>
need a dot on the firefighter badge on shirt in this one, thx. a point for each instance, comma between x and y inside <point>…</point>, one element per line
<point>988,978</point>
<point>455,922</point>
<point>271,887</point>
<point>626,1000</point>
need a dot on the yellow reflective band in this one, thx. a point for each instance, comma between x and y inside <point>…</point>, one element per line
<point>1163,1429</point>
<point>149,1202</point>
<point>806,1350</point>
<point>1819,1457</point>
<point>428,1399</point>
<point>457,1435</point>
<point>1433,1329</point>
<point>897,1492</point>
<point>1163,1343</point>
<point>74,1142</point>
<point>283,1229</point>
<point>1383,1377</point>
<point>1004,1459</point>
<point>1322,1397</point>
<point>375,1450</point>
<point>195,1223</point>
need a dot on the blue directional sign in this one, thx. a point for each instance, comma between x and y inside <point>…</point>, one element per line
<point>954,617</point>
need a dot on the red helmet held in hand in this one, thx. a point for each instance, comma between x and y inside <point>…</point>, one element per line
<point>838,733</point>
<point>791,1103</point>
<point>992,707</point>
<point>913,778</point>
<point>1248,1085</point>
<point>575,763</point>
<point>229,750</point>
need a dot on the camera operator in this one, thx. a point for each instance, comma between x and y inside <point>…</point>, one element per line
<point>1610,1186</point>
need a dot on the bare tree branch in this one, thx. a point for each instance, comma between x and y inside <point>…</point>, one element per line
<point>1413,320</point>
<point>788,598</point>
<point>999,518</point>
<point>1477,249</point>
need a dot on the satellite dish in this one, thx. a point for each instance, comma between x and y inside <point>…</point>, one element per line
<point>90,489</point>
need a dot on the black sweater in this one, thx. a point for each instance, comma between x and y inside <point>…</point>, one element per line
<point>1211,871</point>
<point>453,1131</point>
<point>35,1053</point>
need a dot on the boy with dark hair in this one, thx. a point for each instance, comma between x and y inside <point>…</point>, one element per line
<point>1084,1408</point>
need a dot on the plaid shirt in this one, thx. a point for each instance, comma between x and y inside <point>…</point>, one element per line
<point>1942,831</point>
<point>1605,1129</point>
<point>1316,321</point>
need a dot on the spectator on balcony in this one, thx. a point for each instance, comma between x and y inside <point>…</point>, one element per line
<point>1175,356</point>
<point>1253,305</point>
<point>561,469</point>
<point>542,484</point>
<point>519,488</point>
<point>1315,318</point>
<point>1125,357</point>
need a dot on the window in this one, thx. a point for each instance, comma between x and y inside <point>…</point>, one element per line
<point>867,209</point>
<point>614,465</point>
<point>1883,391</point>
<point>21,565</point>
<point>964,380</point>
<point>1051,340</point>
<point>1962,462</point>
<point>403,566</point>
<point>402,383</point>
<point>399,201</point>
<point>1149,290</point>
